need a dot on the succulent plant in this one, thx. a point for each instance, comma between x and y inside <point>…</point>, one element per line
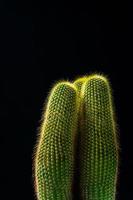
<point>76,155</point>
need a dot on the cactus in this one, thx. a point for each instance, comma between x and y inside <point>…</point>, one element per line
<point>54,156</point>
<point>98,142</point>
<point>77,147</point>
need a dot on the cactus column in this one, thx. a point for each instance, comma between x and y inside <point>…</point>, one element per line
<point>55,149</point>
<point>98,144</point>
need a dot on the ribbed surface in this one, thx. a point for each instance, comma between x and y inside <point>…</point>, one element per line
<point>98,148</point>
<point>54,157</point>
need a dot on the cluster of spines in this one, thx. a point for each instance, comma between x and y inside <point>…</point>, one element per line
<point>78,115</point>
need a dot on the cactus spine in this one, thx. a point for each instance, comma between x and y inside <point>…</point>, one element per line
<point>78,143</point>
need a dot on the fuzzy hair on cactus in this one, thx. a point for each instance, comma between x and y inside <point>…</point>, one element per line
<point>76,154</point>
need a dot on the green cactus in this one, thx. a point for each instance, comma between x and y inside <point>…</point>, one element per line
<point>54,157</point>
<point>77,148</point>
<point>98,142</point>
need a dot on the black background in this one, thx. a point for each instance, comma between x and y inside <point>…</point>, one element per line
<point>41,44</point>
